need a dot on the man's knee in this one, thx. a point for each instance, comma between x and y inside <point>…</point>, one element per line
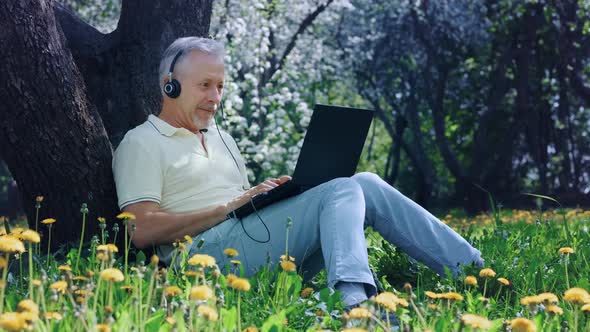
<point>364,178</point>
<point>344,183</point>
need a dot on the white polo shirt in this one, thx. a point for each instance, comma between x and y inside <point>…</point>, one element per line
<point>160,163</point>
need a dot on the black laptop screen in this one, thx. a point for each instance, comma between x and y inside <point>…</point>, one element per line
<point>332,145</point>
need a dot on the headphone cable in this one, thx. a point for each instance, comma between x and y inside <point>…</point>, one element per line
<point>251,201</point>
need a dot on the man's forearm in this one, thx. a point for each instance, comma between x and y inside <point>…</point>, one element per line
<point>159,227</point>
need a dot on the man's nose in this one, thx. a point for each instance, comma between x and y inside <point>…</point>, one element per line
<point>215,95</point>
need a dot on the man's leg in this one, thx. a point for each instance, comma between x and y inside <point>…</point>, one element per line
<point>407,225</point>
<point>328,219</point>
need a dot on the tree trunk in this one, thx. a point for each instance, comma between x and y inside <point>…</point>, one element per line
<point>53,141</point>
<point>68,94</point>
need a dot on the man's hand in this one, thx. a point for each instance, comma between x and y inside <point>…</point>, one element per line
<point>263,187</point>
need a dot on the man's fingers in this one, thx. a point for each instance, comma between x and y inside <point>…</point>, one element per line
<point>284,179</point>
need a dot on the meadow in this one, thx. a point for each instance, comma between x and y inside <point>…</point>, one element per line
<point>536,278</point>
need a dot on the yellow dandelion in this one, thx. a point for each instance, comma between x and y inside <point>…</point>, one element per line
<point>475,321</point>
<point>3,262</point>
<point>201,293</point>
<point>432,306</point>
<point>576,295</point>
<point>522,325</point>
<point>531,300</point>
<point>471,280</point>
<point>170,320</point>
<point>241,284</point>
<point>566,251</point>
<point>10,244</point>
<point>39,199</point>
<point>432,295</point>
<point>354,329</point>
<point>59,286</point>
<point>127,288</point>
<point>548,298</point>
<point>53,315</point>
<point>112,274</point>
<point>101,219</point>
<point>48,221</point>
<point>155,260</point>
<point>306,292</point>
<point>452,296</point>
<point>64,268</point>
<point>482,299</point>
<point>359,313</point>
<point>29,306</point>
<point>284,258</point>
<point>487,273</point>
<point>554,310</point>
<point>288,266</point>
<point>103,328</point>
<point>103,257</point>
<point>208,312</point>
<point>586,308</point>
<point>387,300</point>
<point>80,278</point>
<point>504,281</point>
<point>193,273</point>
<point>81,292</point>
<point>171,291</point>
<point>188,239</point>
<point>12,321</point>
<point>235,262</point>
<point>29,235</point>
<point>109,247</point>
<point>37,282</point>
<point>126,215</point>
<point>251,329</point>
<point>202,260</point>
<point>231,252</point>
<point>403,302</point>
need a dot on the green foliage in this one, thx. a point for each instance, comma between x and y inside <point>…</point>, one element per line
<point>520,246</point>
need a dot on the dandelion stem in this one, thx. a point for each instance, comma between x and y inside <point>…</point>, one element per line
<point>30,271</point>
<point>567,280</point>
<point>37,226</point>
<point>3,286</point>
<point>125,222</point>
<point>239,314</point>
<point>48,246</point>
<point>81,240</point>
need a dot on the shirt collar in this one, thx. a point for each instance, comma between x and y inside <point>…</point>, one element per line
<point>167,129</point>
<point>162,126</point>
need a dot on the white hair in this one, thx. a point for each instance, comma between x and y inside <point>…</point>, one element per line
<point>185,45</point>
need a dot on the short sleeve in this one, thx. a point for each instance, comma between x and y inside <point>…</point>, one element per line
<point>138,173</point>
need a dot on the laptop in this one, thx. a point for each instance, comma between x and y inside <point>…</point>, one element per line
<point>331,148</point>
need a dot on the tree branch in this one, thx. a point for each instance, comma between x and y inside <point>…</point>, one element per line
<point>268,73</point>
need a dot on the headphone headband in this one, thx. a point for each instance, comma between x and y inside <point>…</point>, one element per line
<point>173,63</point>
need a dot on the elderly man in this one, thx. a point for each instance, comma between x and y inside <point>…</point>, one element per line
<point>180,175</point>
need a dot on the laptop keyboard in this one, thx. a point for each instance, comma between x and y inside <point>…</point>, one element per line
<point>284,190</point>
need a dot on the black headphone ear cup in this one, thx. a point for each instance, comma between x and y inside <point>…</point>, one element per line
<point>172,89</point>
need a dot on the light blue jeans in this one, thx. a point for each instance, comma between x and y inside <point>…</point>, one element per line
<point>328,231</point>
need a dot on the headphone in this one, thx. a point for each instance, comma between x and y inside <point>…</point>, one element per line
<point>172,87</point>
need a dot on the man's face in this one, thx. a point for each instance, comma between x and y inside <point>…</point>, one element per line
<point>201,77</point>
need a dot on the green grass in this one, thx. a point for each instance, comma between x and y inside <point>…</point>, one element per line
<point>521,246</point>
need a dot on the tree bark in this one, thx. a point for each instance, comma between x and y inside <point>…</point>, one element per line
<point>52,138</point>
<point>71,91</point>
